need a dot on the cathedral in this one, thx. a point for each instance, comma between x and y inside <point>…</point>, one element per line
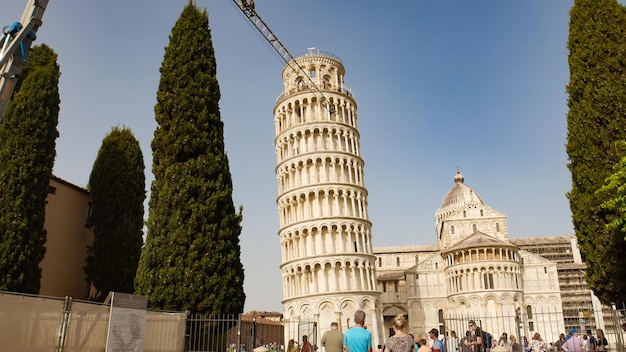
<point>474,272</point>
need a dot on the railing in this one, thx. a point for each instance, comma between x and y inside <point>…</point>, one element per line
<point>294,91</point>
<point>317,52</point>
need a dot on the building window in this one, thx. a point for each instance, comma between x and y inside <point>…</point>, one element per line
<point>474,227</point>
<point>313,73</point>
<point>452,230</point>
<point>464,214</point>
<point>397,261</point>
<point>395,286</point>
<point>384,286</point>
<point>545,270</point>
<point>497,227</point>
<point>88,215</point>
<point>529,312</point>
<point>481,212</point>
<point>488,281</point>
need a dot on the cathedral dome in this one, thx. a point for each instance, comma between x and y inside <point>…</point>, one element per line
<point>458,197</point>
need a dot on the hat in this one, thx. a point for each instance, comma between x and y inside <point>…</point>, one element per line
<point>434,331</point>
<point>573,331</point>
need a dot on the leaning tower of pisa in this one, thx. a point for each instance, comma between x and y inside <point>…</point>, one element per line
<point>328,267</point>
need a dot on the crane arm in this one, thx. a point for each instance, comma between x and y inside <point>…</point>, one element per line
<point>15,44</point>
<point>247,7</point>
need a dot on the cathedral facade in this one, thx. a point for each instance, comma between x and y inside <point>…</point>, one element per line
<point>476,272</point>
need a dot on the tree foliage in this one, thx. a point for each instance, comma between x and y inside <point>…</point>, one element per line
<point>27,150</point>
<point>191,260</point>
<point>613,193</point>
<point>117,185</point>
<point>596,120</point>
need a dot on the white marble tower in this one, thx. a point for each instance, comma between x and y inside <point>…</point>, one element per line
<point>328,266</point>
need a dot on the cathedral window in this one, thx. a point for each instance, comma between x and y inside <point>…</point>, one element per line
<point>464,214</point>
<point>384,286</point>
<point>313,72</point>
<point>397,261</point>
<point>529,312</point>
<point>380,262</point>
<point>474,227</point>
<point>497,227</point>
<point>481,212</point>
<point>452,230</point>
<point>395,286</point>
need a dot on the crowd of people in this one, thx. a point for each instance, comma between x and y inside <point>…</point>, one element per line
<point>359,339</point>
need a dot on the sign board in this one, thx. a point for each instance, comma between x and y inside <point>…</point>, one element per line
<point>127,322</point>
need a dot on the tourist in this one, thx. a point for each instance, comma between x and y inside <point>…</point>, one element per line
<point>559,343</point>
<point>515,346</point>
<point>357,338</point>
<point>537,344</point>
<point>332,340</point>
<point>434,334</point>
<point>504,341</point>
<point>574,343</point>
<point>464,344</point>
<point>601,342</point>
<point>400,341</point>
<point>591,340</point>
<point>475,337</point>
<point>306,346</point>
<point>292,346</point>
<point>423,345</point>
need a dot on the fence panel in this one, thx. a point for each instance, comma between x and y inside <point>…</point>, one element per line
<point>165,332</point>
<point>87,327</point>
<point>232,333</point>
<point>29,323</point>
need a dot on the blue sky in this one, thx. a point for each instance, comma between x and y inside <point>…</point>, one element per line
<point>440,85</point>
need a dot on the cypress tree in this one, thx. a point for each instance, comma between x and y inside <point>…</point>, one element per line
<point>596,120</point>
<point>117,186</point>
<point>191,260</point>
<point>613,192</point>
<point>27,150</point>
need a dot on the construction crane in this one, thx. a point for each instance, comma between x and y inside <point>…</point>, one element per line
<point>247,7</point>
<point>15,43</point>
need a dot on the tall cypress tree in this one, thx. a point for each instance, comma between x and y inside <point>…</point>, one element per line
<point>117,185</point>
<point>596,120</point>
<point>27,150</point>
<point>191,260</point>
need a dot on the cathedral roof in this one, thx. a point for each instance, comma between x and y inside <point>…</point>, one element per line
<point>459,196</point>
<point>477,240</point>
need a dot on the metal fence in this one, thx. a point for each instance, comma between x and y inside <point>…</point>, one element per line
<point>548,323</point>
<point>232,333</point>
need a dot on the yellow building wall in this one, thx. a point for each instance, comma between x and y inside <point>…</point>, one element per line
<point>67,209</point>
